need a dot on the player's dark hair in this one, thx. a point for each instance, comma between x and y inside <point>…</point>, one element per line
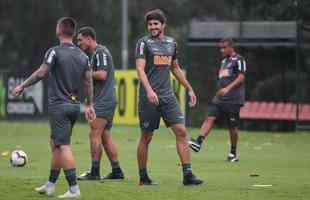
<point>67,26</point>
<point>155,14</point>
<point>88,31</point>
<point>230,42</point>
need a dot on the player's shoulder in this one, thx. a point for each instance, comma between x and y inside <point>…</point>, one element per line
<point>84,55</point>
<point>169,39</point>
<point>238,57</point>
<point>79,51</point>
<point>51,51</point>
<point>145,39</point>
<point>102,49</point>
<point>55,48</point>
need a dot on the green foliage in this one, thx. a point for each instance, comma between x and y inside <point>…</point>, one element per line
<point>27,30</point>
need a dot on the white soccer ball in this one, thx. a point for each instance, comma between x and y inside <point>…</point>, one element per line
<point>18,158</point>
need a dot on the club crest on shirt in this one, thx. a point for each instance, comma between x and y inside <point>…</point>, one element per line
<point>170,49</point>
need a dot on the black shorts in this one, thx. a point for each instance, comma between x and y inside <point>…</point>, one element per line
<point>227,112</point>
<point>106,111</point>
<point>150,114</point>
<point>62,119</point>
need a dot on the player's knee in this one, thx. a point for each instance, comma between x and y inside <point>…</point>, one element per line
<point>64,148</point>
<point>146,138</point>
<point>233,125</point>
<point>106,142</point>
<point>180,132</point>
<point>95,133</point>
<point>233,130</point>
<point>210,120</point>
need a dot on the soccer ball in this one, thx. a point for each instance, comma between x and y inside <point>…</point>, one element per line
<point>18,158</point>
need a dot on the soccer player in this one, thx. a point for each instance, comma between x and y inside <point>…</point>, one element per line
<point>104,105</point>
<point>156,56</point>
<point>67,66</point>
<point>228,100</point>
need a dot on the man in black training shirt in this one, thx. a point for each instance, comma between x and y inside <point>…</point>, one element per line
<point>104,105</point>
<point>228,100</point>
<point>156,56</point>
<point>67,67</point>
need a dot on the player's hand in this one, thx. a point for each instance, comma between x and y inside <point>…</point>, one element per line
<point>17,90</point>
<point>152,97</point>
<point>222,92</point>
<point>192,99</point>
<point>90,114</point>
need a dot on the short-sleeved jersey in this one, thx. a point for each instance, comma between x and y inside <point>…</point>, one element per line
<point>67,66</point>
<point>104,90</point>
<point>159,56</point>
<point>230,68</point>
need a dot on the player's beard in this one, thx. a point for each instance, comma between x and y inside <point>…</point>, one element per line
<point>158,32</point>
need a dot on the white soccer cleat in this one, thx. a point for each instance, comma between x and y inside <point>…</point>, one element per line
<point>44,189</point>
<point>69,194</point>
<point>194,145</point>
<point>232,158</point>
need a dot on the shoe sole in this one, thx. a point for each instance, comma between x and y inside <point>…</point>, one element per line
<point>193,184</point>
<point>76,197</point>
<point>90,179</point>
<point>112,180</point>
<point>44,192</point>
<point>148,184</point>
<point>233,160</point>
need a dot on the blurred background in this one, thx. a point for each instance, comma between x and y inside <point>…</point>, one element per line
<point>273,36</point>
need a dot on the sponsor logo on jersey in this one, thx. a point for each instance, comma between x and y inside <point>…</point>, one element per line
<point>162,60</point>
<point>223,73</point>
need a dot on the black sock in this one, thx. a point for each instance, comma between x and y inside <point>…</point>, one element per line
<point>95,168</point>
<point>143,173</point>
<point>114,163</point>
<point>54,174</point>
<point>233,149</point>
<point>200,139</point>
<point>187,169</point>
<point>70,176</point>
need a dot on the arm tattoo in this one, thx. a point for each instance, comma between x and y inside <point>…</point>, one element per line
<point>88,86</point>
<point>36,76</point>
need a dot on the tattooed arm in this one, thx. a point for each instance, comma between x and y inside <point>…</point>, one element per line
<point>35,77</point>
<point>88,87</point>
<point>90,114</point>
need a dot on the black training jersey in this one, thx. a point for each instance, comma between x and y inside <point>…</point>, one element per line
<point>67,65</point>
<point>159,56</point>
<point>104,90</point>
<point>230,68</point>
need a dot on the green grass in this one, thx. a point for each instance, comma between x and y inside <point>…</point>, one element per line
<point>282,160</point>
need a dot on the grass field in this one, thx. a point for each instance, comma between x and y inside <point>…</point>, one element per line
<point>280,160</point>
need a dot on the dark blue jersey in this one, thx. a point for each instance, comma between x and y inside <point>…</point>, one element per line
<point>230,69</point>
